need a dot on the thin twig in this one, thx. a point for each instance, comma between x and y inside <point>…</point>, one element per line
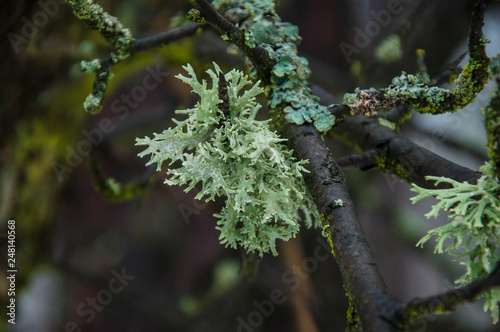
<point>447,301</point>
<point>164,38</point>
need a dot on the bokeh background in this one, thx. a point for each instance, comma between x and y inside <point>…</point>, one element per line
<point>71,242</point>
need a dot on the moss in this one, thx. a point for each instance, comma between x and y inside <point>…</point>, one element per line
<point>492,124</point>
<point>353,321</point>
<point>389,165</point>
<point>195,16</point>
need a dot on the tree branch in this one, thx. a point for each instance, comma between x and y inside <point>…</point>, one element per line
<point>447,301</point>
<point>258,55</point>
<point>363,161</point>
<point>367,291</point>
<point>397,155</point>
<point>350,246</point>
<point>400,156</point>
<point>164,38</point>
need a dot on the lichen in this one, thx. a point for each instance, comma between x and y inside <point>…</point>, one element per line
<point>386,123</point>
<point>474,226</point>
<point>107,25</point>
<point>239,158</point>
<point>415,91</point>
<point>115,33</point>
<point>389,50</point>
<point>288,91</point>
<point>194,15</point>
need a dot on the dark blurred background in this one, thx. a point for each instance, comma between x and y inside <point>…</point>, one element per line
<point>154,262</point>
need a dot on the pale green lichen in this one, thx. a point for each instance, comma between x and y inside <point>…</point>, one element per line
<point>239,158</point>
<point>474,226</point>
<point>288,89</point>
<point>91,66</point>
<point>325,232</point>
<point>389,50</point>
<point>386,123</point>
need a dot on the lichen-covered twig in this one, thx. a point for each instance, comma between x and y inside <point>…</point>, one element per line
<point>108,26</point>
<point>164,38</point>
<point>121,39</point>
<point>397,154</point>
<point>412,91</point>
<point>113,31</point>
<point>446,301</point>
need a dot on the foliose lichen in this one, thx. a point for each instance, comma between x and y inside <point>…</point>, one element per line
<point>239,158</point>
<point>288,90</point>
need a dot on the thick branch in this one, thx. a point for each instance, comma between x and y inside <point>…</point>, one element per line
<point>350,245</point>
<point>399,155</point>
<point>166,37</point>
